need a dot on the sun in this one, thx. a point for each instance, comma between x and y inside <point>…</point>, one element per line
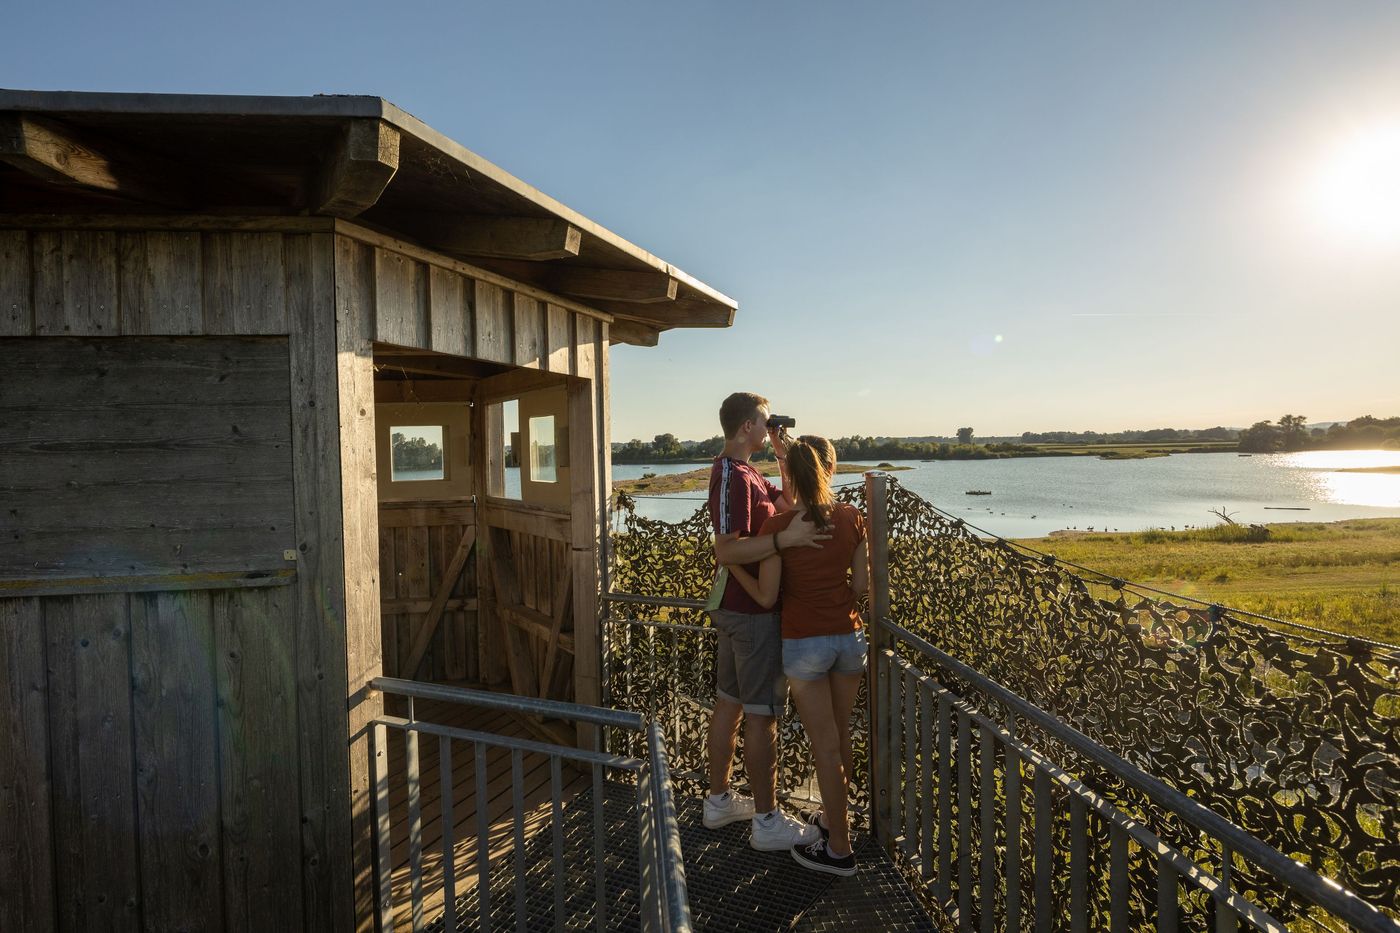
<point>1355,190</point>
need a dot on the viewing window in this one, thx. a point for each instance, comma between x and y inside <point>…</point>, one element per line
<point>543,462</point>
<point>416,453</point>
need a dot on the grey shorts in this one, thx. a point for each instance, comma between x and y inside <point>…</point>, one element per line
<point>749,669</point>
<point>815,657</point>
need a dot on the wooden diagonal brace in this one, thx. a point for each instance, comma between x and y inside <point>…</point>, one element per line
<point>449,580</point>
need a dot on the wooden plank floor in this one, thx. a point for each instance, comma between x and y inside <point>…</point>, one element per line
<point>535,792</point>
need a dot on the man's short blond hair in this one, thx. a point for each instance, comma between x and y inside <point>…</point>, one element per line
<point>738,408</point>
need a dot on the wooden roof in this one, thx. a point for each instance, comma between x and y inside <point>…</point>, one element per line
<point>343,156</point>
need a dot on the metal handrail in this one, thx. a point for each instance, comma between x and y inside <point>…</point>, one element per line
<point>1325,894</point>
<point>665,903</point>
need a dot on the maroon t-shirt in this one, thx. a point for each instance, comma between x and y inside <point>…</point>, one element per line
<point>741,500</point>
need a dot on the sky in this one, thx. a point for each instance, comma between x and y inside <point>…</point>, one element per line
<point>1011,216</point>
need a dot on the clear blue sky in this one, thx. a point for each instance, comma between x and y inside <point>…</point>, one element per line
<point>1178,214</point>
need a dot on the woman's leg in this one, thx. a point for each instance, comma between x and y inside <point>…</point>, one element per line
<point>814,705</point>
<point>844,688</point>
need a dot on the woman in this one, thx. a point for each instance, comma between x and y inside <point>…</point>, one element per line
<point>823,645</point>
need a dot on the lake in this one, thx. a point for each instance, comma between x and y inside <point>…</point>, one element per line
<point>1032,497</point>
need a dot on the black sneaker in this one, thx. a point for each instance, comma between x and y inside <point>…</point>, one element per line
<point>818,857</point>
<point>815,818</point>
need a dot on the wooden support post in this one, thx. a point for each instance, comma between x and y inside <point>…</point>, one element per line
<point>878,554</point>
<point>585,531</point>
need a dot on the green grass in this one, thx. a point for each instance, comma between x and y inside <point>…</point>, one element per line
<point>1343,576</point>
<point>1136,451</point>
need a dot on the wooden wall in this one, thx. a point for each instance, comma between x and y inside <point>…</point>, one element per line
<point>176,770</point>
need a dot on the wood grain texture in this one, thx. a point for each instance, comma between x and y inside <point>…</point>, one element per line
<point>400,300</point>
<point>244,283</point>
<point>359,506</point>
<point>255,671</point>
<point>320,594</point>
<point>90,736</point>
<point>449,313</point>
<point>115,450</point>
<point>559,339</point>
<point>358,168</point>
<point>177,773</point>
<point>75,283</point>
<point>493,338</point>
<point>161,282</point>
<point>26,854</point>
<point>602,389</point>
<point>16,300</point>
<point>529,332</point>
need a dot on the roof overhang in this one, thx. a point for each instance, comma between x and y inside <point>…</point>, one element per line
<point>342,156</point>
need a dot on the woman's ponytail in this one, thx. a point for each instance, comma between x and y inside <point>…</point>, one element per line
<point>811,463</point>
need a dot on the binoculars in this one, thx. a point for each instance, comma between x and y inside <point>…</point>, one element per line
<point>781,421</point>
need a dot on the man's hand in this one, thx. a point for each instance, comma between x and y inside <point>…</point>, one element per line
<point>803,532</point>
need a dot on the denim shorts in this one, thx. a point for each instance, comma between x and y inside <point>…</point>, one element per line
<point>815,657</point>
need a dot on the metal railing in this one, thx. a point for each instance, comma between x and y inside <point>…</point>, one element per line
<point>661,898</point>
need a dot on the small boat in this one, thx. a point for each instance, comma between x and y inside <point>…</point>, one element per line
<point>978,492</point>
<point>1245,455</point>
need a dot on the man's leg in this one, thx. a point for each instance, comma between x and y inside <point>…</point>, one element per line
<point>761,760</point>
<point>724,734</point>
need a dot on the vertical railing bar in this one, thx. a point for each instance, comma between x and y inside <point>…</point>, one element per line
<point>449,842</point>
<point>1118,878</point>
<point>986,806</point>
<point>1013,828</point>
<point>556,798</point>
<point>964,821</point>
<point>926,772</point>
<point>1226,920</point>
<point>1166,895</point>
<point>910,821</point>
<point>600,883</point>
<point>379,763</point>
<point>1078,865</point>
<point>517,809</point>
<point>483,842</point>
<point>415,827</point>
<point>1044,852</point>
<point>944,888</point>
<point>893,783</point>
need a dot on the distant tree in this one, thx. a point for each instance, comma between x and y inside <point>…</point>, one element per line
<point>1261,437</point>
<point>964,435</point>
<point>1292,428</point>
<point>666,447</point>
<point>415,453</point>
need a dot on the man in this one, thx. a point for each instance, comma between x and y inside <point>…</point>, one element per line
<point>749,668</point>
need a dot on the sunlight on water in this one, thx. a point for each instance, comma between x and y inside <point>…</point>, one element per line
<point>1329,473</point>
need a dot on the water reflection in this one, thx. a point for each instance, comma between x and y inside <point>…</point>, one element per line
<point>1333,477</point>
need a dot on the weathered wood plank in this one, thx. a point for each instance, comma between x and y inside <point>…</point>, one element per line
<point>602,391</point>
<point>414,584</point>
<point>400,300</point>
<point>358,168</point>
<point>584,527</point>
<point>90,742</point>
<point>75,283</point>
<point>493,338</point>
<point>552,524</point>
<point>486,468</point>
<point>634,332</point>
<point>559,339</point>
<point>391,618</point>
<point>359,517</point>
<point>72,586</point>
<point>585,347</point>
<point>26,854</point>
<point>529,238</point>
<point>529,331</point>
<point>16,304</point>
<point>444,585</point>
<point>615,284</point>
<point>177,774</point>
<point>161,288</point>
<point>449,314</point>
<point>244,283</point>
<point>255,674</point>
<point>320,595</point>
<point>399,516</point>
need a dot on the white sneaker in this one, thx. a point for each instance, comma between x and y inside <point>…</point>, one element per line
<point>778,831</point>
<point>731,808</point>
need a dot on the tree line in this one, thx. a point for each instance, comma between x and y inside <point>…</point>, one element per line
<point>1291,432</point>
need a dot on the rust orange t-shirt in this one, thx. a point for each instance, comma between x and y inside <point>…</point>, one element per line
<point>816,592</point>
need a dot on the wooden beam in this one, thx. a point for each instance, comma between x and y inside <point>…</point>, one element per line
<point>60,155</point>
<point>623,330</point>
<point>615,284</point>
<point>517,381</point>
<point>530,238</point>
<point>358,168</point>
<point>683,312</point>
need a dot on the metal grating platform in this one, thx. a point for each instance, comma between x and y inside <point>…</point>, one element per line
<point>732,887</point>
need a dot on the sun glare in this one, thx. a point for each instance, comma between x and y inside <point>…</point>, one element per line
<point>1355,190</point>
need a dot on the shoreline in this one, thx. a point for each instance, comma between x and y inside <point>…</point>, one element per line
<point>699,479</point>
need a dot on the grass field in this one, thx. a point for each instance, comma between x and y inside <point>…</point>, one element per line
<point>1343,576</point>
<point>1136,451</point>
